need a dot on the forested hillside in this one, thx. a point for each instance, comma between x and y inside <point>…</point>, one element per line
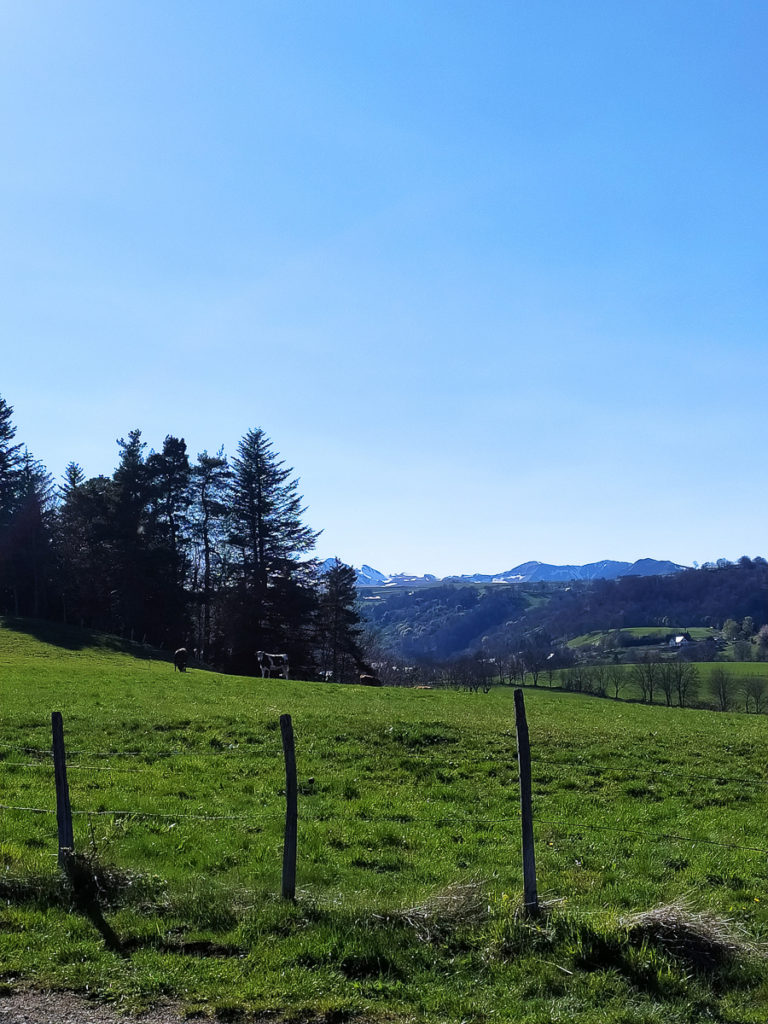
<point>443,622</point>
<point>438,623</point>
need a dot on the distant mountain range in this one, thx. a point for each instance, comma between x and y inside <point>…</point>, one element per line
<point>528,572</point>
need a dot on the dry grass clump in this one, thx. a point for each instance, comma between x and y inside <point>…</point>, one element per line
<point>461,905</point>
<point>701,938</point>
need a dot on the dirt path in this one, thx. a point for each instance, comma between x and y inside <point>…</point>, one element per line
<point>68,1008</point>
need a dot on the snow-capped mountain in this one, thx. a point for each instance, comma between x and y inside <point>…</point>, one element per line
<point>527,572</point>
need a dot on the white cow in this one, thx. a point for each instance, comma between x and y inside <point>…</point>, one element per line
<point>272,665</point>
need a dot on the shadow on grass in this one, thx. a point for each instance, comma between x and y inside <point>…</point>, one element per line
<point>75,638</point>
<point>650,959</point>
<point>660,955</point>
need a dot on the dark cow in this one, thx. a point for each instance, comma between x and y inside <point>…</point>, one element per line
<point>369,680</point>
<point>272,665</point>
<point>180,659</point>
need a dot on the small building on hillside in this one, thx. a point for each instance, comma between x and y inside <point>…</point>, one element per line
<point>680,640</point>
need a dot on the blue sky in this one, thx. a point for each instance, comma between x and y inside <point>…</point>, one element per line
<point>492,276</point>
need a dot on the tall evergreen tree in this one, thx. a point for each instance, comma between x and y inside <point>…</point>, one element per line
<point>130,520</point>
<point>86,547</point>
<point>273,587</point>
<point>168,478</point>
<point>10,465</point>
<point>168,541</point>
<point>339,651</point>
<point>32,528</point>
<point>210,478</point>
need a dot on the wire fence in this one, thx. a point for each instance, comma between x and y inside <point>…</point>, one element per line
<point>568,828</point>
<point>162,759</point>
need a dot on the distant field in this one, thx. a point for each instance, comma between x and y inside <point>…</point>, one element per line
<point>414,794</point>
<point>598,636</point>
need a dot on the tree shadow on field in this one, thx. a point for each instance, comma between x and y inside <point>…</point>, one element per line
<point>76,638</point>
<point>88,888</point>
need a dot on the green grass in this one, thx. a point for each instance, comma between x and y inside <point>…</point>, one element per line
<point>703,698</point>
<point>598,636</point>
<point>414,794</point>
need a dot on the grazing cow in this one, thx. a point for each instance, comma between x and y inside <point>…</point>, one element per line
<point>369,680</point>
<point>180,659</point>
<point>272,665</point>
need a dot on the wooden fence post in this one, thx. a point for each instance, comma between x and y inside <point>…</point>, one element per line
<point>63,808</point>
<point>530,894</point>
<point>291,810</point>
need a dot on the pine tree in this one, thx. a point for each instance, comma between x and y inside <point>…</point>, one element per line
<point>74,477</point>
<point>86,546</point>
<point>10,465</point>
<point>32,532</point>
<point>168,479</point>
<point>210,478</point>
<point>168,542</point>
<point>339,632</point>
<point>131,500</point>
<point>273,595</point>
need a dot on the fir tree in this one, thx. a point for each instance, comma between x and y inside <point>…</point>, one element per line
<point>168,542</point>
<point>273,594</point>
<point>10,464</point>
<point>210,478</point>
<point>339,631</point>
<point>86,547</point>
<point>30,562</point>
<point>131,500</point>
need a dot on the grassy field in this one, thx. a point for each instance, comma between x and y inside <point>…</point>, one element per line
<point>408,873</point>
<point>704,697</point>
<point>597,637</point>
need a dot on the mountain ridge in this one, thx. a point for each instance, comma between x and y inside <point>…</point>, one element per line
<point>526,572</point>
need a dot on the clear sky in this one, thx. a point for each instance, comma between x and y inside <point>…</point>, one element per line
<point>491,275</point>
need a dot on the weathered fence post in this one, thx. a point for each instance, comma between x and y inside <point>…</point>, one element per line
<point>291,810</point>
<point>63,808</point>
<point>530,894</point>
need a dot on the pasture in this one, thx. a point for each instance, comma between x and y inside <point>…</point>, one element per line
<point>409,877</point>
<point>660,633</point>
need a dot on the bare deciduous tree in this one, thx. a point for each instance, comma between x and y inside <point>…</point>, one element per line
<point>646,674</point>
<point>723,686</point>
<point>753,689</point>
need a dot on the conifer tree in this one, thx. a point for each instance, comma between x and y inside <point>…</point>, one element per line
<point>273,595</point>
<point>210,477</point>
<point>86,548</point>
<point>10,463</point>
<point>168,542</point>
<point>32,532</point>
<point>131,499</point>
<point>338,622</point>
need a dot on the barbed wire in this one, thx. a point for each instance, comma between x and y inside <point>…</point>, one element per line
<point>151,755</point>
<point>577,763</point>
<point>145,814</point>
<point>574,826</point>
<point>72,767</point>
<point>581,826</point>
<point>627,770</point>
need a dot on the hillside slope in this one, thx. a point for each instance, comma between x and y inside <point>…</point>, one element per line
<point>448,621</point>
<point>408,868</point>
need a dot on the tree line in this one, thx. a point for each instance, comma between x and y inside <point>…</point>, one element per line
<point>212,554</point>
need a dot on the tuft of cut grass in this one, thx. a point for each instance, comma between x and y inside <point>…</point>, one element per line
<point>701,938</point>
<point>457,906</point>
